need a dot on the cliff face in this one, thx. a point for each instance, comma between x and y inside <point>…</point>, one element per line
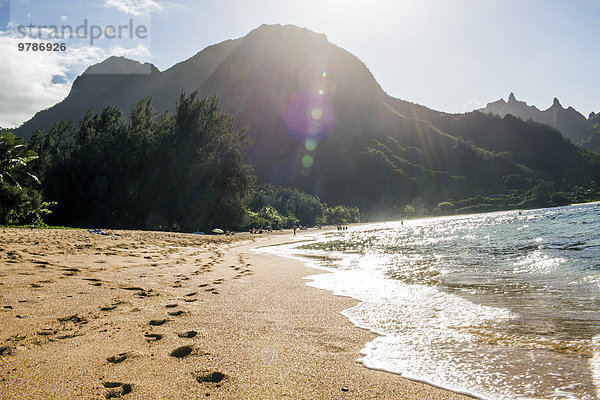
<point>569,121</point>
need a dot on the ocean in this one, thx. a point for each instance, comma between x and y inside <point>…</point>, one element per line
<point>500,305</point>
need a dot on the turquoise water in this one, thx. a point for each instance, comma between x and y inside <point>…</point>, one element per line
<point>501,305</point>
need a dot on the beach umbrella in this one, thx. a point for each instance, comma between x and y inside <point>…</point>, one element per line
<point>217,230</point>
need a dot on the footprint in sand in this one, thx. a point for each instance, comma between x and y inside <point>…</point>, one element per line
<point>41,264</point>
<point>157,322</point>
<point>76,319</point>
<point>70,271</point>
<point>171,305</point>
<point>182,351</point>
<point>188,334</point>
<point>146,293</point>
<point>6,351</point>
<point>112,385</point>
<point>68,336</point>
<point>117,359</point>
<point>153,337</point>
<point>116,389</point>
<point>209,376</point>
<point>93,281</point>
<point>176,313</point>
<point>133,288</point>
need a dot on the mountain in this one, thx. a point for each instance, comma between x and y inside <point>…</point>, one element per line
<point>317,119</point>
<point>569,121</point>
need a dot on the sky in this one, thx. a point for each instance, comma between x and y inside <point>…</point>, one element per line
<point>449,55</point>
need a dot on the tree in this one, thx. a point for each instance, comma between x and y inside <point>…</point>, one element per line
<point>444,208</point>
<point>341,215</point>
<point>14,157</point>
<point>18,201</point>
<point>210,182</point>
<point>182,171</point>
<point>297,207</point>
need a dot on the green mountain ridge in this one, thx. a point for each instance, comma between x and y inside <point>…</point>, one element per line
<point>318,120</point>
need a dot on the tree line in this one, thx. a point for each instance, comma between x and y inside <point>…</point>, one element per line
<point>186,172</point>
<point>183,171</point>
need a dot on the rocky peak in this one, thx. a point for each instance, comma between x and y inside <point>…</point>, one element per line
<point>120,65</point>
<point>556,103</point>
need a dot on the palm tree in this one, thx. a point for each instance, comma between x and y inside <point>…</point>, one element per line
<point>14,158</point>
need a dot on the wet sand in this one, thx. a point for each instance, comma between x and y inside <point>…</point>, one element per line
<point>149,315</point>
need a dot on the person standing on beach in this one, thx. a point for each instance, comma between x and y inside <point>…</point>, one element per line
<point>294,227</point>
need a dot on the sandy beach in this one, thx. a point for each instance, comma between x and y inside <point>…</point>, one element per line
<point>150,315</point>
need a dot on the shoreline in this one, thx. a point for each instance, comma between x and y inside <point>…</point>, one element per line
<point>310,281</point>
<point>161,315</point>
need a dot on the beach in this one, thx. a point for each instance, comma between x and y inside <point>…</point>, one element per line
<point>152,315</point>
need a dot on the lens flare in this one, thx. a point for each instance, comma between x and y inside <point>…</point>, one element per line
<point>309,114</point>
<point>316,113</point>
<point>310,144</point>
<point>307,161</point>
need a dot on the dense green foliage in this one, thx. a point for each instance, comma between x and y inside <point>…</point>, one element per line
<point>290,205</point>
<point>341,215</point>
<point>284,207</point>
<point>182,171</point>
<point>20,201</point>
<point>534,194</point>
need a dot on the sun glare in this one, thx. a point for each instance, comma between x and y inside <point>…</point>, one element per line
<point>373,13</point>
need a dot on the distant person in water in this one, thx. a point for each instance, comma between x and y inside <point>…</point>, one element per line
<point>295,229</point>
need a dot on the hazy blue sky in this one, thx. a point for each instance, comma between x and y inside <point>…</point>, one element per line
<point>450,55</point>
